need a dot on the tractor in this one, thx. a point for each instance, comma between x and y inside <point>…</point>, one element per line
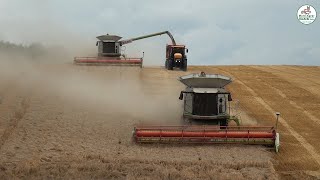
<point>176,57</point>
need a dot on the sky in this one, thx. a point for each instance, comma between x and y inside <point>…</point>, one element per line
<point>215,32</point>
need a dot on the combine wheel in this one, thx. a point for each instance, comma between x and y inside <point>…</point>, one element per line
<point>185,121</point>
<point>235,119</point>
<point>224,123</point>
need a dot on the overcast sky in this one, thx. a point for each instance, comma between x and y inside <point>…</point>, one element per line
<point>216,32</point>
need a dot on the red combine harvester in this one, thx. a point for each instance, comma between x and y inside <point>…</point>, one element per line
<point>206,118</point>
<point>109,51</point>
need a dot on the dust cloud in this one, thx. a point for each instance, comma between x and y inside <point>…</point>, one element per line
<point>43,65</point>
<point>112,90</point>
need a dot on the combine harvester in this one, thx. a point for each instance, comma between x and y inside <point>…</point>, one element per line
<point>109,52</point>
<point>206,117</point>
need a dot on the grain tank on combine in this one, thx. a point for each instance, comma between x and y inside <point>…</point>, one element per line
<point>207,116</point>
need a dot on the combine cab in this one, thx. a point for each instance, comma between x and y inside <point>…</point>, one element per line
<point>206,100</point>
<point>176,57</point>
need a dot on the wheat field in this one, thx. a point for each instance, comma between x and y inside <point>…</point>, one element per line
<point>62,121</point>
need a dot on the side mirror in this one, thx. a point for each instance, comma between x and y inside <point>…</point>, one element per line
<point>97,43</point>
<point>187,50</point>
<point>181,95</point>
<point>229,97</point>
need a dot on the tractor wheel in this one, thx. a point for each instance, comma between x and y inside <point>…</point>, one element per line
<point>170,64</point>
<point>166,64</point>
<point>184,65</point>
